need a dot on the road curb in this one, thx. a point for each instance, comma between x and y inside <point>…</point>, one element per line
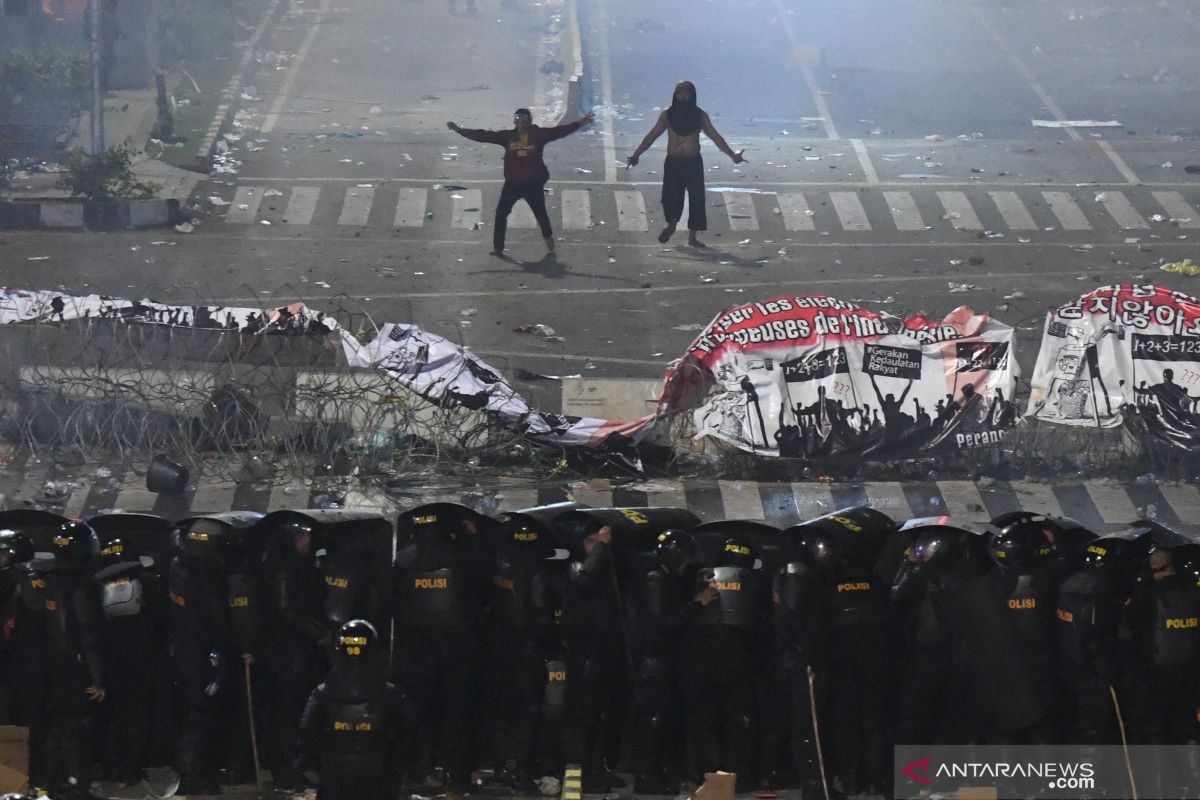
<point>107,215</point>
<point>228,104</point>
<point>572,59</point>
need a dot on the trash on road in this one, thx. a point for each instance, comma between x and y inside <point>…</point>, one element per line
<point>184,227</point>
<point>960,288</point>
<point>1017,295</point>
<point>1184,267</point>
<point>323,285</point>
<point>217,201</point>
<point>539,329</point>
<point>272,193</point>
<point>737,189</point>
<point>469,312</point>
<point>1075,123</point>
<point>38,258</point>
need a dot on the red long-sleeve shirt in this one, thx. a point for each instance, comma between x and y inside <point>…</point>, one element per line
<point>522,153</point>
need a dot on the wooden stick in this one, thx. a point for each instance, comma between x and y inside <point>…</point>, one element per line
<point>1124,741</point>
<point>253,733</point>
<point>812,706</point>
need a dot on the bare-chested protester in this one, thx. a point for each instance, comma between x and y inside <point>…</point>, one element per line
<point>684,168</point>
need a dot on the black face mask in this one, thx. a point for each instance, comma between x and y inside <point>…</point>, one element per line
<point>684,116</point>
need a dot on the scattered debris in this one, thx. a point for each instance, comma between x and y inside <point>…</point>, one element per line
<point>1185,267</point>
<point>1075,123</point>
<point>184,227</point>
<point>960,288</point>
<point>1017,295</point>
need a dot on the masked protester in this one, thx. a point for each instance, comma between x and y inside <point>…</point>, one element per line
<point>522,637</point>
<point>352,729</point>
<point>27,649</point>
<point>129,597</point>
<point>719,650</point>
<point>204,649</point>
<point>683,171</point>
<point>294,651</point>
<point>596,658</point>
<point>525,172</point>
<point>441,579</point>
<point>76,668</point>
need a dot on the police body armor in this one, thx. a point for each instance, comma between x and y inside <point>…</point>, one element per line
<point>797,611</point>
<point>74,619</point>
<point>526,599</point>
<point>1086,615</point>
<point>351,741</point>
<point>1030,610</point>
<point>122,591</point>
<point>430,599</point>
<point>554,702</point>
<point>855,599</point>
<point>736,605</point>
<point>1176,619</point>
<point>31,612</point>
<point>349,591</point>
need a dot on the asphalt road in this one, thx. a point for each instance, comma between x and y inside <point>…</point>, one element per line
<point>375,207</point>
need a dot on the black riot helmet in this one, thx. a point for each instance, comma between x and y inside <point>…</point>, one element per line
<point>952,550</point>
<point>116,551</point>
<point>521,533</point>
<point>818,548</point>
<point>1019,547</point>
<point>738,551</point>
<point>15,548</point>
<point>355,641</point>
<point>678,551</point>
<point>75,543</point>
<point>206,539</point>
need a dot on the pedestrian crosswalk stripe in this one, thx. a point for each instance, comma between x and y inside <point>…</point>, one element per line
<point>631,210</point>
<point>1112,501</point>
<point>1184,498</point>
<point>850,211</point>
<point>1122,210</point>
<point>213,497</point>
<point>301,205</point>
<point>1016,216</point>
<point>958,209</point>
<point>372,502</point>
<point>246,201</point>
<point>889,498</point>
<point>812,499</point>
<point>741,499</point>
<point>576,209</point>
<point>596,498</point>
<point>795,211</point>
<point>740,208</point>
<point>468,205</point>
<point>512,497</point>
<point>135,496</point>
<point>1069,215</point>
<point>1040,498</point>
<point>904,211</point>
<point>356,209</point>
<point>963,501</point>
<point>522,216</point>
<point>410,207</point>
<point>74,507</point>
<point>667,494</point>
<point>1178,209</point>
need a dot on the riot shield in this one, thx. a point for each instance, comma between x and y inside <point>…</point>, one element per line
<point>149,535</point>
<point>861,533</point>
<point>40,526</point>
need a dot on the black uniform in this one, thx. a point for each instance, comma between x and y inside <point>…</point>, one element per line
<point>597,665</point>
<point>133,640</point>
<point>293,652</point>
<point>207,659</point>
<point>75,623</point>
<point>720,650</point>
<point>352,727</point>
<point>28,664</point>
<point>522,637</point>
<point>440,584</point>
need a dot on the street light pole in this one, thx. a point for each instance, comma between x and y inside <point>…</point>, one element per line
<point>94,17</point>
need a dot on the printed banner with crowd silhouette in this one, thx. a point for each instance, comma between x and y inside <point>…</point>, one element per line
<point>810,375</point>
<point>1122,350</point>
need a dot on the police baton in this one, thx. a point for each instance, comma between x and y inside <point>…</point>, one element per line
<point>812,705</point>
<point>253,733</point>
<point>1124,741</point>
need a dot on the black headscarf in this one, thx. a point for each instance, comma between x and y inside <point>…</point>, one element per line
<point>684,117</point>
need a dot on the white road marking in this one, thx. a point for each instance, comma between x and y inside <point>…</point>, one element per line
<point>888,497</point>
<point>410,207</point>
<point>741,500</point>
<point>794,208</point>
<point>356,208</point>
<point>904,211</point>
<point>285,90</point>
<point>864,161</point>
<point>963,500</point>
<point>850,211</point>
<point>244,209</point>
<point>576,209</point>
<point>1111,501</point>
<point>1016,216</point>
<point>468,209</point>
<point>1038,497</point>
<point>1069,214</point>
<point>1178,209</point>
<point>1126,216</point>
<point>301,205</point>
<point>740,208</point>
<point>631,210</point>
<point>958,208</point>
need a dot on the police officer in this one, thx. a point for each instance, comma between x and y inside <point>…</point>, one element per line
<point>204,648</point>
<point>294,652</point>
<point>352,729</point>
<point>664,604</point>
<point>1027,561</point>
<point>27,648</point>
<point>719,650</point>
<point>851,658</point>
<point>76,670</point>
<point>1088,615</point>
<point>596,657</point>
<point>442,576</point>
<point>246,598</point>
<point>132,623</point>
<point>522,635</point>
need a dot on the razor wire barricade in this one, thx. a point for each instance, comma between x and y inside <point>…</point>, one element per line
<point>226,402</point>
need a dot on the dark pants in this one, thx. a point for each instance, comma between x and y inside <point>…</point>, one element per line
<point>436,670</point>
<point>531,192</point>
<point>857,712</point>
<point>70,717</point>
<point>680,175</point>
<point>719,700</point>
<point>516,685</point>
<point>355,787</point>
<point>655,755</point>
<point>595,688</point>
<point>291,683</point>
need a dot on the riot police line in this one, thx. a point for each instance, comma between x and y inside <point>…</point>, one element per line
<point>460,651</point>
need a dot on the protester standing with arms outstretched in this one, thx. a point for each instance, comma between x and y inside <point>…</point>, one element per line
<point>525,173</point>
<point>684,168</point>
